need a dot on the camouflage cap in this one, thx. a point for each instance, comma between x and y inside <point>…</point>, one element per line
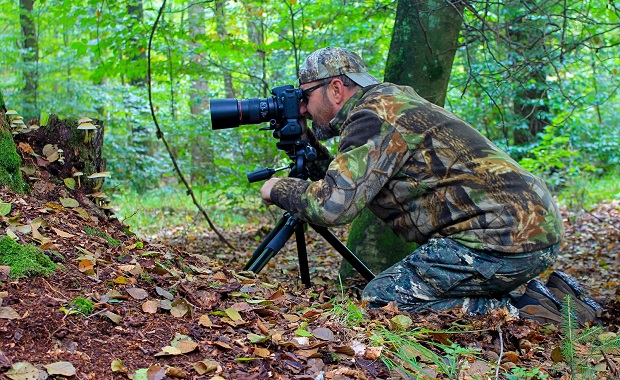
<point>333,61</point>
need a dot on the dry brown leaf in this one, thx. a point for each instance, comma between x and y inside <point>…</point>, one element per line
<point>7,312</point>
<point>150,307</point>
<point>137,293</point>
<point>62,233</point>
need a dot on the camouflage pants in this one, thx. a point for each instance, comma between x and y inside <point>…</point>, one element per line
<point>442,274</point>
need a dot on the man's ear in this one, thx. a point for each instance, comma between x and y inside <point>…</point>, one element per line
<point>339,91</point>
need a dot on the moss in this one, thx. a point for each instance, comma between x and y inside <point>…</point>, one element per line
<point>24,260</point>
<point>83,306</point>
<point>10,174</point>
<point>375,244</point>
<point>95,232</point>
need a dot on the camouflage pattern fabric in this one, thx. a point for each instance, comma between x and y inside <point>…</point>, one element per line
<point>443,274</point>
<point>333,61</point>
<point>427,174</point>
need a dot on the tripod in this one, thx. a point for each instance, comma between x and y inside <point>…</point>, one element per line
<point>289,225</point>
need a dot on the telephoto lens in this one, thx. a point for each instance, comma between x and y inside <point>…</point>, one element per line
<point>231,113</point>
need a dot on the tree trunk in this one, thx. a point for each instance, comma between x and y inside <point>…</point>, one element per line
<point>424,42</point>
<point>199,101</point>
<point>30,57</point>
<point>531,61</point>
<point>10,173</point>
<point>220,19</point>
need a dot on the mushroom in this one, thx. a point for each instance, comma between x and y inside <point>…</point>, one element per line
<point>61,158</point>
<point>88,127</point>
<point>77,175</point>
<point>99,177</point>
<point>11,113</point>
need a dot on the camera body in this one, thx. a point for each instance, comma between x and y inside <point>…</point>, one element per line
<point>281,111</point>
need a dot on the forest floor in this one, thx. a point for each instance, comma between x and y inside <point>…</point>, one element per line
<point>178,306</point>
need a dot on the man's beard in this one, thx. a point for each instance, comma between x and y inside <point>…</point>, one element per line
<point>323,132</point>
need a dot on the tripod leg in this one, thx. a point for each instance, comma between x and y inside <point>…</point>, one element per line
<point>344,251</point>
<point>302,254</point>
<point>276,229</point>
<point>274,245</point>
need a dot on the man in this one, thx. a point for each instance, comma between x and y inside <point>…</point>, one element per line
<point>485,225</point>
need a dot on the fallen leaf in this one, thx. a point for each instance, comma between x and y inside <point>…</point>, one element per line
<point>233,314</point>
<point>117,366</point>
<point>150,307</point>
<point>323,333</point>
<point>155,372</point>
<point>69,202</point>
<point>60,368</point>
<point>137,293</point>
<point>62,233</point>
<point>7,312</point>
<point>206,366</point>
<point>5,208</point>
<point>25,371</point>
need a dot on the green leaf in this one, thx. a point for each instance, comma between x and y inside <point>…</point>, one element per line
<point>70,183</point>
<point>5,208</point>
<point>69,202</point>
<point>44,118</point>
<point>302,332</point>
<point>255,338</point>
<point>233,314</point>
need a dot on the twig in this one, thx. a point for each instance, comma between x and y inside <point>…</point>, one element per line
<point>610,364</point>
<point>160,134</point>
<point>501,352</point>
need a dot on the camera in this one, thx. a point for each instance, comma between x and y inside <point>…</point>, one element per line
<point>281,111</point>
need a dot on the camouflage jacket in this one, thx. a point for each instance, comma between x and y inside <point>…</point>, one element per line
<point>426,173</point>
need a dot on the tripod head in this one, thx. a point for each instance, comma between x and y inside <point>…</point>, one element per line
<point>299,151</point>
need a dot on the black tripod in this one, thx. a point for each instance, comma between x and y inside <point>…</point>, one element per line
<point>289,225</point>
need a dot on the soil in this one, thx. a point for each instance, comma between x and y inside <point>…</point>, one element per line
<point>179,306</point>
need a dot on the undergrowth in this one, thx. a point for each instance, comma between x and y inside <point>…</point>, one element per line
<point>582,347</point>
<point>24,260</point>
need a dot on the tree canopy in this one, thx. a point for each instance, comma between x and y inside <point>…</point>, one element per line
<point>538,78</point>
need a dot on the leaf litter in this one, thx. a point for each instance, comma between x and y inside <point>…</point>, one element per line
<point>179,306</point>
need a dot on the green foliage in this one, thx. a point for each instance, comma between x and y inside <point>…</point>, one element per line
<point>92,62</point>
<point>409,350</point>
<point>24,260</point>
<point>97,232</point>
<point>520,373</point>
<point>82,306</point>
<point>582,347</point>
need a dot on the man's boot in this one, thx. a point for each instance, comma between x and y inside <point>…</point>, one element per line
<point>587,310</point>
<point>539,304</point>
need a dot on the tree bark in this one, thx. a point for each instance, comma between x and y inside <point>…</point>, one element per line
<point>220,19</point>
<point>30,58</point>
<point>424,42</point>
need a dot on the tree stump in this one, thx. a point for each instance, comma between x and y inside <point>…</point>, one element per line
<point>63,156</point>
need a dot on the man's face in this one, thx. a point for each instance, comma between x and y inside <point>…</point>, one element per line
<point>316,106</point>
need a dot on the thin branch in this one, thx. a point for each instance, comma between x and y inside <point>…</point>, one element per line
<point>501,352</point>
<point>160,135</point>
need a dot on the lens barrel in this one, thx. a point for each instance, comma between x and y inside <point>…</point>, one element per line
<point>231,113</point>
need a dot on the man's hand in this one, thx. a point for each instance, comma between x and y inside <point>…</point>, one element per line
<point>265,191</point>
